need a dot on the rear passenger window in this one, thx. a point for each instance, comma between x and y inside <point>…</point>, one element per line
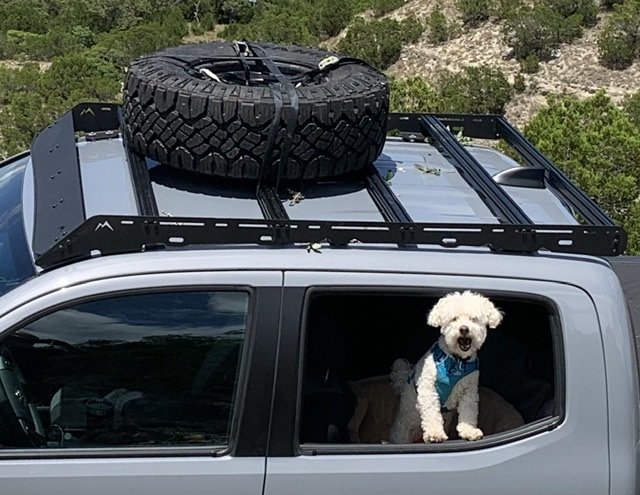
<point>351,341</point>
<point>148,370</point>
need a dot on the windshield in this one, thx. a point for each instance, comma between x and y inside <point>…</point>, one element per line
<point>15,259</point>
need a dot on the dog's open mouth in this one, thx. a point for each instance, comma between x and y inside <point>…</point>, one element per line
<point>464,343</point>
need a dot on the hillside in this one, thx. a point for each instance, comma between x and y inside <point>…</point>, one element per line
<point>576,70</point>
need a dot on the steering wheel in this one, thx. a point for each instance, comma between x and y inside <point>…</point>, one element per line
<point>20,423</point>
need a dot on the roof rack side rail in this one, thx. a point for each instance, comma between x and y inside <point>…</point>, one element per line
<point>582,204</point>
<point>497,200</point>
<point>120,234</point>
<point>473,126</point>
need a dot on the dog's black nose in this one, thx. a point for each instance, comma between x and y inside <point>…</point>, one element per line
<point>464,330</point>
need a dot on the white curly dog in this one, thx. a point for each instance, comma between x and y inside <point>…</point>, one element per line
<point>446,378</point>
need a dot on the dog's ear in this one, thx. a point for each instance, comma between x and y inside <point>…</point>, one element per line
<point>435,318</point>
<point>494,316</point>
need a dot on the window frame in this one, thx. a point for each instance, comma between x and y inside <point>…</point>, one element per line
<point>525,431</point>
<point>239,395</point>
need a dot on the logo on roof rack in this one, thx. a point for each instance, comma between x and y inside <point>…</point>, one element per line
<point>103,225</point>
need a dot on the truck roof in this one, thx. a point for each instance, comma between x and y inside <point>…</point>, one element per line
<point>425,188</point>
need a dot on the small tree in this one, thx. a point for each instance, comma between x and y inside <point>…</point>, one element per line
<point>586,9</point>
<point>438,26</point>
<point>382,7</point>
<point>475,90</point>
<point>519,84</point>
<point>530,64</point>
<point>597,145</point>
<point>332,17</point>
<point>631,106</point>
<point>619,40</point>
<point>474,12</point>
<point>504,9</point>
<point>539,30</point>
<point>377,42</point>
<point>413,95</point>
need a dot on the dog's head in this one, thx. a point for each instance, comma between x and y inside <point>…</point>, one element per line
<point>463,318</point>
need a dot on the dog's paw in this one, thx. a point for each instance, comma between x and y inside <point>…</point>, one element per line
<point>468,432</point>
<point>434,435</point>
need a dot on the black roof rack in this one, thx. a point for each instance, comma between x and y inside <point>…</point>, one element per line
<point>412,126</point>
<point>62,233</point>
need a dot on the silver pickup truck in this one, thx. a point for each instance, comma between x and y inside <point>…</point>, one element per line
<point>162,332</point>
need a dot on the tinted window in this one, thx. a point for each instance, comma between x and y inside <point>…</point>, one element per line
<point>141,370</point>
<point>15,260</point>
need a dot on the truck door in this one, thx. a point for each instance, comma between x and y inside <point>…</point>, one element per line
<point>561,447</point>
<point>150,384</point>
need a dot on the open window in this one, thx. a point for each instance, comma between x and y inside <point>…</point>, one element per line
<point>352,338</point>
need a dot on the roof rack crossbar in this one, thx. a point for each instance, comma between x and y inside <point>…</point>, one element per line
<point>145,198</point>
<point>384,198</point>
<point>104,235</point>
<point>497,200</point>
<point>582,204</point>
<point>270,203</point>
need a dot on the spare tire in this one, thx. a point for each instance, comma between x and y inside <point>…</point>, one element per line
<point>191,107</point>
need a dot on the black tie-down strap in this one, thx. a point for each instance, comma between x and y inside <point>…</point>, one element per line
<point>283,84</point>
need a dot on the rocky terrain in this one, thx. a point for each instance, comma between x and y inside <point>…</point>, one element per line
<point>574,71</point>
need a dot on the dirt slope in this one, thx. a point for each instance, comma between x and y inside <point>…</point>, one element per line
<point>575,71</point>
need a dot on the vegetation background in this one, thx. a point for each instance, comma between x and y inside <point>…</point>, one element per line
<point>483,56</point>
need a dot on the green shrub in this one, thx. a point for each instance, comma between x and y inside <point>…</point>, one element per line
<point>474,12</point>
<point>616,49</point>
<point>519,84</point>
<point>631,106</point>
<point>379,42</point>
<point>276,27</point>
<point>438,26</point>
<point>83,36</point>
<point>81,76</point>
<point>23,117</point>
<point>618,41</point>
<point>240,11</point>
<point>538,31</point>
<point>632,226</point>
<point>475,90</point>
<point>382,7</point>
<point>119,48</point>
<point>530,64</point>
<point>586,9</point>
<point>598,145</point>
<point>504,9</point>
<point>413,95</point>
<point>24,15</point>
<point>332,17</point>
<point>411,29</point>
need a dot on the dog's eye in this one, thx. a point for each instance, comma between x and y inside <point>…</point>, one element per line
<point>474,319</point>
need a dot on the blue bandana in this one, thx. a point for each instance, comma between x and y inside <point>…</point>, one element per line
<point>450,370</point>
